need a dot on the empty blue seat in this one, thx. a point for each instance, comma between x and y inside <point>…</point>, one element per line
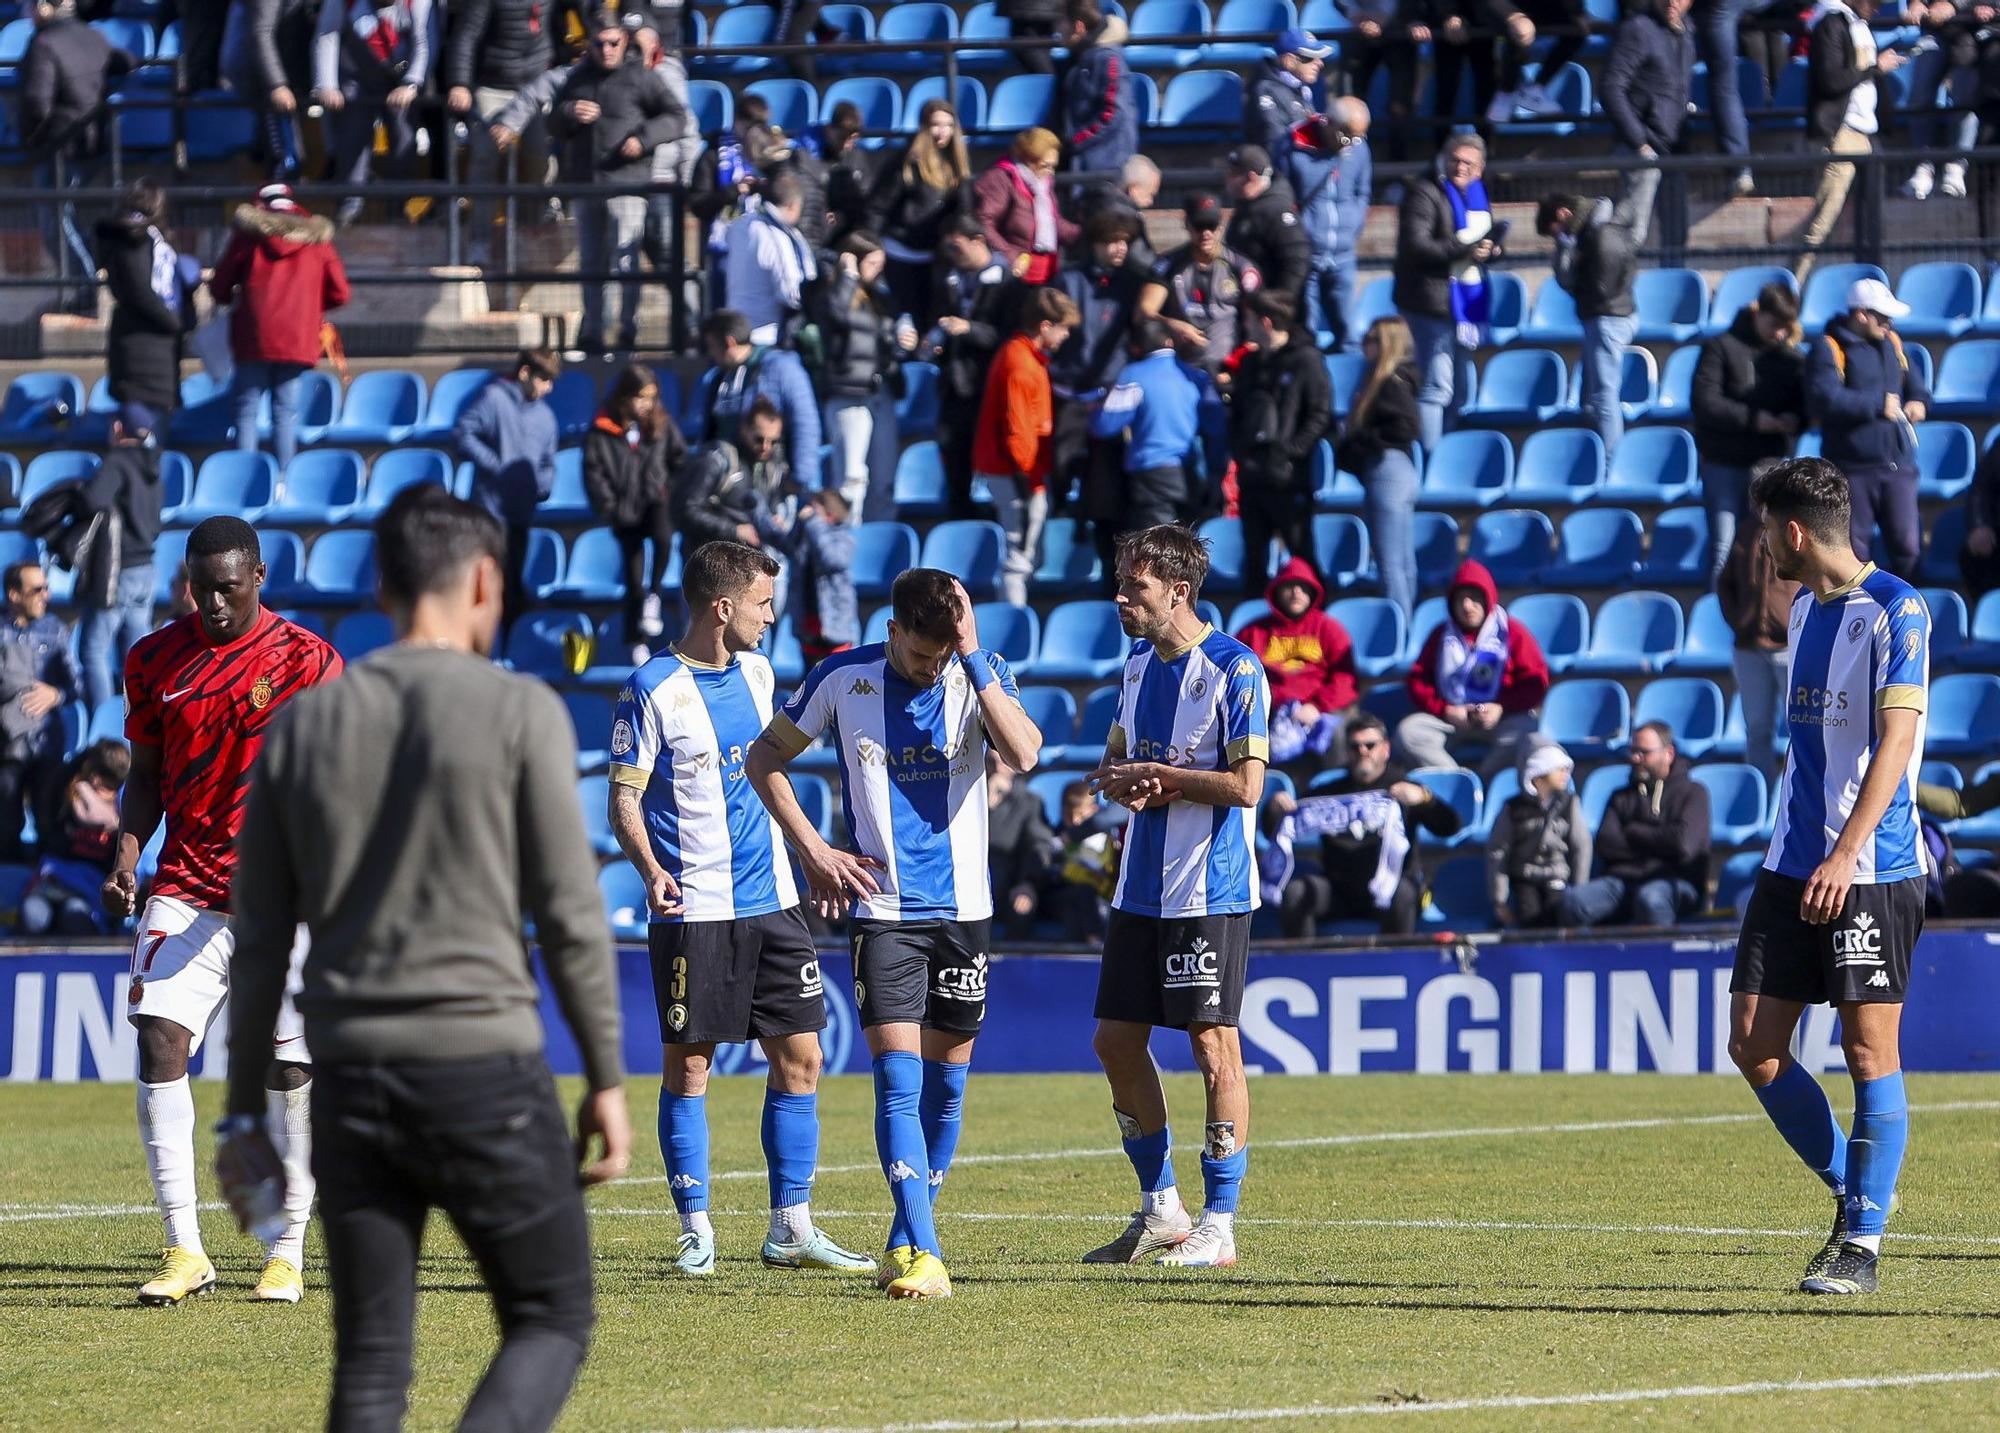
<point>1710,642</point>
<point>1690,706</point>
<point>284,557</point>
<point>1569,91</point>
<point>37,403</point>
<point>402,468</point>
<point>1560,465</point>
<point>1458,896</point>
<point>1600,548</point>
<point>1560,624</point>
<point>168,555</point>
<point>794,104</point>
<point>1738,802</point>
<point>1200,105</point>
<point>622,888</point>
<point>381,407</point>
<point>878,99</point>
<point>1553,318</point>
<point>340,569</point>
<point>1638,387</point>
<point>971,549</point>
<point>590,714</point>
<point>574,402</point>
<point>231,483</point>
<point>1968,381</point>
<point>1093,724</point>
<point>1069,561</point>
<point>535,642</point>
<point>1982,648</point>
<point>595,571</point>
<point>712,103</point>
<point>1737,881</point>
<point>917,409</point>
<point>1678,556</point>
<point>1634,632</point>
<point>1244,613</point>
<point>568,500</point>
<point>1081,641</point>
<point>1826,292</point>
<point>1503,786</point>
<point>881,551</point>
<point>1247,17</point>
<point>1651,465</point>
<point>1053,711</point>
<point>1014,632</point>
<point>542,568</point>
<point>593,795</point>
<point>1950,625</point>
<point>449,395</point>
<point>1020,102</point>
<point>10,481</point>
<point>321,487</point>
<point>1374,625</point>
<point>359,633</point>
<point>1170,17</point>
<point>1506,304</point>
<point>1946,459</point>
<point>1224,536</point>
<point>969,99</point>
<point>815,795</point>
<point>1943,541</point>
<point>17,546</point>
<point>1597,789</point>
<point>1672,303</point>
<point>220,127</point>
<point>984,22</point>
<point>739,26</point>
<point>1674,403</point>
<point>1738,287</point>
<point>45,470</point>
<point>1964,714</point>
<point>1591,716</point>
<point>1944,300</point>
<point>1518,388</point>
<point>1436,542</point>
<point>1469,468</point>
<point>913,22</point>
<point>920,488</point>
<point>1340,548</point>
<point>1516,544</point>
<point>1461,791</point>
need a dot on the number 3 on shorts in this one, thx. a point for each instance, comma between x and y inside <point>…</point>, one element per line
<point>679,989</point>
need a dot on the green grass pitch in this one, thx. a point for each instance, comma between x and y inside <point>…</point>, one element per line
<point>1473,1252</point>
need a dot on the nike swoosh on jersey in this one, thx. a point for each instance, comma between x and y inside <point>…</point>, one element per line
<point>171,696</point>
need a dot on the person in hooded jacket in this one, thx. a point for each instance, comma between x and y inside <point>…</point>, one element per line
<point>1748,404</point>
<point>281,273</point>
<point>1540,844</point>
<point>1478,680</point>
<point>152,289</point>
<point>1099,92</point>
<point>630,456</point>
<point>1652,846</point>
<point>1309,661</point>
<point>1284,92</point>
<point>1280,405</point>
<point>508,433</point>
<point>1264,226</point>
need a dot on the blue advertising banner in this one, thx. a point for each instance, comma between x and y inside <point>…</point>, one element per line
<point>1613,1006</point>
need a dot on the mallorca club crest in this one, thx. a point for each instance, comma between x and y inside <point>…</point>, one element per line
<point>260,693</point>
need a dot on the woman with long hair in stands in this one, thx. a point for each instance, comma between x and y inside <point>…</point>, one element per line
<point>630,456</point>
<point>914,203</point>
<point>1381,427</point>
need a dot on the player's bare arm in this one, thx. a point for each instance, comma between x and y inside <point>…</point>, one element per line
<point>628,824</point>
<point>139,818</point>
<point>832,875</point>
<point>1827,891</point>
<point>1152,781</point>
<point>1008,726</point>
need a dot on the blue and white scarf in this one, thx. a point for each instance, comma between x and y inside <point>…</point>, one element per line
<point>1472,220</point>
<point>1470,672</point>
<point>1359,814</point>
<point>165,278</point>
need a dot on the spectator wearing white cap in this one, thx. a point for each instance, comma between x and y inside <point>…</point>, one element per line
<point>1285,92</point>
<point>1540,843</point>
<point>1866,398</point>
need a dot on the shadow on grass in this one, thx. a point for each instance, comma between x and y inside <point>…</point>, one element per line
<point>1816,1309</point>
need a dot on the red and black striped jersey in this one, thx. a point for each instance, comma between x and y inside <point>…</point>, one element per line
<point>206,708</point>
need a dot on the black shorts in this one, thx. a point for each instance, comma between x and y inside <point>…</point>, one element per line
<point>1861,958</point>
<point>1173,971</point>
<point>926,972</point>
<point>717,982</point>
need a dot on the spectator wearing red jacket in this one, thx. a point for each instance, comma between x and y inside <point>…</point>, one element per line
<point>1309,660</point>
<point>282,274</point>
<point>1477,682</point>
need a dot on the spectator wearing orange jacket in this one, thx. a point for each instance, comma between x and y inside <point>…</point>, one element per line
<point>1309,660</point>
<point>1013,446</point>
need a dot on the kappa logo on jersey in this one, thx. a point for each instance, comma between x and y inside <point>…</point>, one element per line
<point>1860,945</point>
<point>1200,966</point>
<point>967,983</point>
<point>863,688</point>
<point>621,737</point>
<point>1912,607</point>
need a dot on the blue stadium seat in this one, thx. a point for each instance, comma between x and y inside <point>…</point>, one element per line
<point>1691,706</point>
<point>1673,304</point>
<point>1710,643</point>
<point>1048,788</point>
<point>1738,879</point>
<point>1332,487</point>
<point>1377,299</point>
<point>794,104</point>
<point>1826,292</point>
<point>1919,359</point>
<point>1053,711</point>
<point>321,487</point>
<point>969,101</point>
<point>449,395</point>
<point>984,22</point>
<point>176,479</point>
<point>1069,560</point>
<point>1170,17</point>
<point>1081,641</point>
<point>1673,403</point>
<point>1946,459</point>
<point>1458,896</point>
<point>231,483</point>
<point>1244,613</point>
<point>1982,648</point>
<point>1597,790</point>
<point>970,548</point>
<point>1093,725</point>
<point>590,714</point>
<point>1347,370</point>
<point>788,661</point>
<point>713,104</point>
<point>320,406</point>
<point>1943,541</point>
<point>1340,548</point>
<point>878,99</point>
<point>1436,542</point>
<point>535,642</point>
<point>568,500</point>
<point>624,889</point>
<point>1517,545</point>
<point>917,409</point>
<point>1423,622</point>
<point>1374,625</point>
<point>1651,465</point>
<point>168,554</point>
<point>1559,465</point>
<point>135,37</point>
<point>1600,548</point>
<point>920,488</point>
<point>1738,287</point>
<point>1553,318</point>
<point>1324,18</point>
<point>1638,387</point>
<point>1470,468</point>
<point>1985,827</point>
<point>382,406</point>
<point>1678,556</point>
<point>1201,105</point>
<point>107,722</point>
<point>595,571</point>
<point>28,412</point>
<point>911,22</point>
<point>1247,17</point>
<point>1224,536</point>
<point>1461,791</point>
<point>1014,632</point>
<point>1944,300</point>
<point>284,557</point>
<point>220,127</point>
<point>402,468</point>
<point>1390,701</point>
<point>881,551</point>
<point>1968,381</point>
<point>45,470</point>
<point>574,402</point>
<point>1503,786</point>
<point>1560,624</point>
<point>359,633</point>
<point>815,795</point>
<point>17,546</point>
<point>340,570</point>
<point>1950,625</point>
<point>1507,305</point>
<point>1634,632</point>
<point>542,570</point>
<point>593,795</point>
<point>738,25</point>
<point>1518,388</point>
<point>10,481</point>
<point>1738,802</point>
<point>1020,102</point>
<point>1570,90</point>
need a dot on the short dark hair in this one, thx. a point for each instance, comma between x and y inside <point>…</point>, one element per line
<point>965,226</point>
<point>425,538</point>
<point>542,362</point>
<point>14,571</point>
<point>1149,335</point>
<point>753,109</point>
<point>1074,791</point>
<point>728,324</point>
<point>924,603</point>
<point>722,569</point>
<point>784,188</point>
<point>107,757</point>
<point>1278,310</point>
<point>1086,13</point>
<point>1546,211</point>
<point>1170,552</point>
<point>605,17</point>
<point>1108,225</point>
<point>219,535</point>
<point>1810,492</point>
<point>147,199</point>
<point>1364,721</point>
<point>1780,301</point>
<point>844,123</point>
<point>762,406</point>
<point>1658,728</point>
<point>1046,305</point>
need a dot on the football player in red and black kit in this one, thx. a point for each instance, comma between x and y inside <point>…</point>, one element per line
<point>199,695</point>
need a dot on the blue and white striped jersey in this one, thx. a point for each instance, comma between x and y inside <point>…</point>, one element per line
<point>1206,707</point>
<point>679,737</point>
<point>912,778</point>
<point>1864,649</point>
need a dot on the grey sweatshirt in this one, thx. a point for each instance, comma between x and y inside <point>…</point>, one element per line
<point>410,814</point>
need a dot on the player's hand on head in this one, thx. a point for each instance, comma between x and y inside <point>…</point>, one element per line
<point>602,1117</point>
<point>968,626</point>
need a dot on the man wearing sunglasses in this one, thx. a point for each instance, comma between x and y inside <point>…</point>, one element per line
<point>36,679</point>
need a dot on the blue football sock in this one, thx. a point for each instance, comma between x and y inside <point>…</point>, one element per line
<point>1875,1152</point>
<point>791,1145</point>
<point>899,1140</point>
<point>1152,1159</point>
<point>1799,1108</point>
<point>684,1141</point>
<point>943,1111</point>
<point>1222,1174</point>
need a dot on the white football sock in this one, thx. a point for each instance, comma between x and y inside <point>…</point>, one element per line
<point>1224,1222</point>
<point>1162,1201</point>
<point>1871,1242</point>
<point>288,1118</point>
<point>695,1221</point>
<point>166,1128</point>
<point>792,1223</point>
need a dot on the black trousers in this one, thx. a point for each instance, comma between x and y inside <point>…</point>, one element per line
<point>958,421</point>
<point>1310,899</point>
<point>1272,508</point>
<point>485,1141</point>
<point>515,596</point>
<point>655,523</point>
<point>26,783</point>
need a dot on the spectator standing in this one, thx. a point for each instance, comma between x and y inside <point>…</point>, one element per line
<point>1013,447</point>
<point>1198,289</point>
<point>730,487</point>
<point>1033,20</point>
<point>1717,25</point>
<point>1264,227</point>
<point>769,261</point>
<point>1086,874</point>
<point>975,301</point>
<point>1596,261</point>
<point>1284,92</point>
<point>152,289</point>
<point>79,840</point>
<point>1155,406</point>
<point>1280,405</point>
<point>1757,604</point>
<point>64,77</point>
<point>1519,19</point>
<point>865,341</point>
<point>1844,72</point>
<point>36,680</point>
<point>1333,174</point>
<point>1105,288</point>
<point>1387,32</point>
<point>278,277</point>
<point>1138,190</point>
<point>1309,661</point>
<point>370,62</point>
<point>1947,57</point>
<point>1099,92</point>
<point>916,202</point>
<point>1646,84</point>
<point>1382,428</point>
<point>1018,846</point>
<point>1463,43</point>
<point>114,592</point>
<point>1479,679</point>
<point>1866,398</point>
<point>850,181</point>
<point>1540,845</point>
<point>1366,820</point>
<point>1016,201</point>
<point>1979,559</point>
<point>1444,237</point>
<point>817,544</point>
<point>1749,402</point>
<point>267,55</point>
<point>744,372</point>
<point>1652,847</point>
<point>493,50</point>
<point>508,433</point>
<point>608,117</point>
<point>630,456</point>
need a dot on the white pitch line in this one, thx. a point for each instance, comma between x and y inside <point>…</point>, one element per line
<point>1452,1405</point>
